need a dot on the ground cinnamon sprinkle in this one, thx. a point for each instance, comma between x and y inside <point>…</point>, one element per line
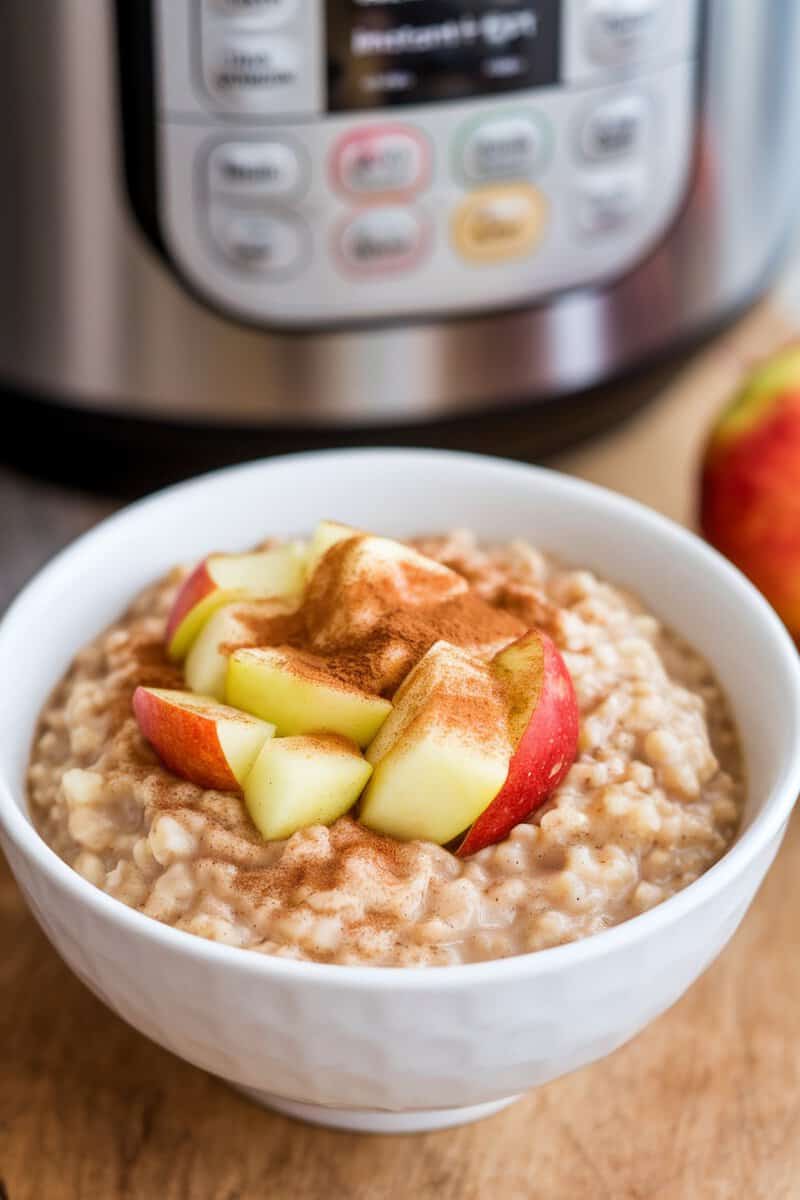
<point>389,859</point>
<point>369,631</point>
<point>151,668</point>
<point>193,859</point>
<point>380,659</point>
<point>270,629</point>
<point>365,630</point>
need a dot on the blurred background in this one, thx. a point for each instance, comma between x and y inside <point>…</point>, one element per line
<point>233,228</point>
<point>237,227</point>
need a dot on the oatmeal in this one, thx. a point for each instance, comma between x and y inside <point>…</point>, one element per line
<point>651,801</point>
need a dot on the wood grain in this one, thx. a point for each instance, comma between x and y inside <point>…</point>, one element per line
<point>704,1104</point>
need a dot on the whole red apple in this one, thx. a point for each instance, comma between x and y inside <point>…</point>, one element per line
<point>750,502</point>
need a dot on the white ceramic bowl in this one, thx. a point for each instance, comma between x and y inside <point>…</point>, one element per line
<point>399,1048</point>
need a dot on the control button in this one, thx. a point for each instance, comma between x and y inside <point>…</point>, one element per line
<point>382,239</point>
<point>498,223</point>
<point>251,71</point>
<point>619,31</point>
<point>257,242</point>
<point>607,203</point>
<point>616,126</point>
<point>380,160</point>
<point>267,13</point>
<point>258,169</point>
<point>507,147</point>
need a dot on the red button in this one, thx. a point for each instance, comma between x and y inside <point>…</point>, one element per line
<point>381,160</point>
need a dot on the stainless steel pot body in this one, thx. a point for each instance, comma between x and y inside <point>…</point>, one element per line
<point>94,316</point>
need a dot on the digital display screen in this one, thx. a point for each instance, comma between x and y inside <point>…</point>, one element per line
<point>391,52</point>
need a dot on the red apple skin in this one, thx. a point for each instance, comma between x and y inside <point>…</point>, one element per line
<point>194,588</point>
<point>186,742</point>
<point>543,756</point>
<point>750,499</point>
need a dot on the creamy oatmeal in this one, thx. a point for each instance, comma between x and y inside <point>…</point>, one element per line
<point>651,802</point>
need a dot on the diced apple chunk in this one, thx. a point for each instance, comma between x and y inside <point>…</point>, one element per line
<point>205,742</point>
<point>234,625</point>
<point>301,781</point>
<point>221,578</point>
<point>367,577</point>
<point>298,694</point>
<point>443,754</point>
<point>433,680</point>
<point>327,534</point>
<point>543,724</point>
<point>432,787</point>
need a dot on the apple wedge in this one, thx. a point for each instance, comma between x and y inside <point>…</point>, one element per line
<point>301,781</point>
<point>205,742</point>
<point>299,694</point>
<point>234,625</point>
<point>443,754</point>
<point>278,572</point>
<point>327,534</point>
<point>543,722</point>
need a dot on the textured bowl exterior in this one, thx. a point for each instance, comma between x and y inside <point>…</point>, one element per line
<point>335,1042</point>
<point>401,1039</point>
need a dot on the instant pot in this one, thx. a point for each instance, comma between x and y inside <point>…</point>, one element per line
<point>344,212</point>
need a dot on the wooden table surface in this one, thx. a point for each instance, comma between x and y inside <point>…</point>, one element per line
<point>705,1103</point>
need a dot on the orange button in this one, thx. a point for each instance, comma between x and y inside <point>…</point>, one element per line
<point>498,223</point>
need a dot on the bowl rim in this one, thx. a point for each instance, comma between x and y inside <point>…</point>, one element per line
<point>767,824</point>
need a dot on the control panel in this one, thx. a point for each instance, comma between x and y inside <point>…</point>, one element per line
<point>328,161</point>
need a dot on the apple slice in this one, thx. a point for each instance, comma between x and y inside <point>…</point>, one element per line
<point>301,781</point>
<point>278,572</point>
<point>206,666</point>
<point>443,754</point>
<point>327,534</point>
<point>298,693</point>
<point>363,579</point>
<point>543,722</point>
<point>234,625</point>
<point>205,742</point>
